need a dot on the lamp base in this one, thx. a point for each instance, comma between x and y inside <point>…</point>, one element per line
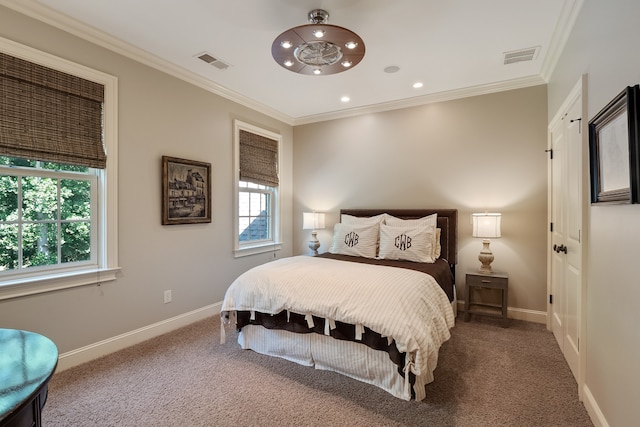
<point>486,258</point>
<point>314,244</point>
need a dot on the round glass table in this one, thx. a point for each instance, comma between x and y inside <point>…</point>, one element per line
<point>27,362</point>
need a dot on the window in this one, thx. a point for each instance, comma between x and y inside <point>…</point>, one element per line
<point>257,204</point>
<point>254,212</point>
<point>47,215</point>
<point>57,212</point>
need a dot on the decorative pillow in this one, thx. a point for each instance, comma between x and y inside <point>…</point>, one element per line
<point>413,243</point>
<point>429,221</point>
<point>355,240</point>
<point>364,221</point>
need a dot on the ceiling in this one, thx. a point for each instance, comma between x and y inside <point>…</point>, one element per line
<point>456,48</point>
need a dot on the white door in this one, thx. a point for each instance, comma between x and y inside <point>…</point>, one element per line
<point>567,137</point>
<point>558,260</point>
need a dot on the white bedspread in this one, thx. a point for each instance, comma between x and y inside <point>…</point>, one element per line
<point>405,305</point>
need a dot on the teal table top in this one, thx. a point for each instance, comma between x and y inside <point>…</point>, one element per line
<point>27,362</point>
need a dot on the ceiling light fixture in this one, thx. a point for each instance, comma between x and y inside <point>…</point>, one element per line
<point>300,49</point>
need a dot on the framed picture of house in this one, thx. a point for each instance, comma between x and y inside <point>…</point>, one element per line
<point>613,150</point>
<point>186,191</point>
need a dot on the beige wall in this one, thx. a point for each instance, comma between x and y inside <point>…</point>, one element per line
<point>603,45</point>
<point>158,115</point>
<point>474,154</point>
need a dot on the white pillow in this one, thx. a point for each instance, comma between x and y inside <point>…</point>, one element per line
<point>429,221</point>
<point>437,248</point>
<point>355,240</point>
<point>362,220</point>
<point>413,243</point>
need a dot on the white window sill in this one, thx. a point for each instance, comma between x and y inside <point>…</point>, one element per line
<point>257,249</point>
<point>53,282</point>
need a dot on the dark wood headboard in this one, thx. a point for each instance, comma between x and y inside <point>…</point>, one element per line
<point>447,222</point>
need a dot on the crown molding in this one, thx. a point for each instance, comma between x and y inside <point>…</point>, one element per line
<point>65,23</point>
<point>449,95</point>
<point>72,26</point>
<point>564,27</point>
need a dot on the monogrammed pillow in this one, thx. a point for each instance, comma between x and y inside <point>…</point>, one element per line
<point>355,240</point>
<point>412,243</point>
<point>429,221</point>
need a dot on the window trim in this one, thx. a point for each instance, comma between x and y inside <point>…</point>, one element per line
<point>240,250</point>
<point>107,179</point>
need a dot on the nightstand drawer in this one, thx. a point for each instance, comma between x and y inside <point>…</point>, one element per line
<point>495,280</point>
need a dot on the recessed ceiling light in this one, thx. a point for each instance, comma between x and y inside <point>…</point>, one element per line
<point>288,63</point>
<point>317,71</point>
<point>318,33</point>
<point>351,45</point>
<point>346,64</point>
<point>392,69</point>
<point>345,99</point>
<point>417,85</point>
<point>286,44</point>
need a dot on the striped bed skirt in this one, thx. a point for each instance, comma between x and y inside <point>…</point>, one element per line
<point>351,359</point>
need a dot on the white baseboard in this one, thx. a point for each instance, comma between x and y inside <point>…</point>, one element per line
<point>102,348</point>
<point>81,355</point>
<point>518,314</point>
<point>527,315</point>
<point>596,415</point>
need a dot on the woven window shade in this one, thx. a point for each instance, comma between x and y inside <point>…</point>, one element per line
<point>258,159</point>
<point>49,115</point>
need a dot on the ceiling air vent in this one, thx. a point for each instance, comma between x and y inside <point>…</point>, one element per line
<point>212,60</point>
<point>528,54</point>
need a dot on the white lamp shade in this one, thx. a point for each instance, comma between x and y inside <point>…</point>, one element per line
<point>313,220</point>
<point>486,225</point>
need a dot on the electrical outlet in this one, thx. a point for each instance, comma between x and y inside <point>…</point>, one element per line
<point>167,296</point>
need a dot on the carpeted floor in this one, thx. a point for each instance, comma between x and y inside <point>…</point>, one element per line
<point>486,376</point>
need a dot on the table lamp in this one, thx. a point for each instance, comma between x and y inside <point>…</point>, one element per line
<point>486,226</point>
<point>313,221</point>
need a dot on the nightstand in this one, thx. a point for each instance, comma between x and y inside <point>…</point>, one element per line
<point>494,280</point>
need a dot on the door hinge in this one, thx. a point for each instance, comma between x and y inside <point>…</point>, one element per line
<point>550,299</point>
<point>551,227</point>
<point>550,151</point>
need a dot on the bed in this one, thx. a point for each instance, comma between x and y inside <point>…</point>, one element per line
<point>379,319</point>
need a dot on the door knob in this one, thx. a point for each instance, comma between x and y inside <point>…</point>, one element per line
<point>561,248</point>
